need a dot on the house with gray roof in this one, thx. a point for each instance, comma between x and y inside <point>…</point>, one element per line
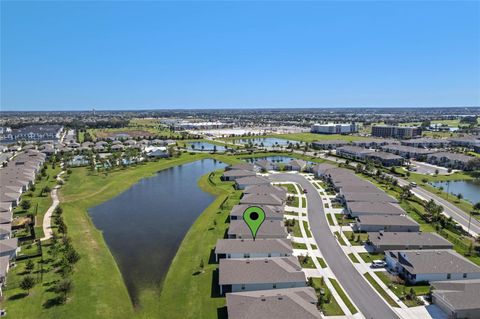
<point>288,303</point>
<point>367,197</point>
<point>9,247</point>
<point>4,267</point>
<point>431,265</point>
<point>407,151</point>
<point>5,231</point>
<point>450,160</point>
<point>242,183</point>
<point>425,142</point>
<point>233,174</point>
<point>266,165</point>
<point>457,298</point>
<point>381,241</point>
<point>254,199</point>
<point>278,191</point>
<point>271,212</point>
<point>248,248</point>
<point>356,209</point>
<point>328,144</point>
<point>237,275</point>
<point>385,159</point>
<point>269,229</point>
<point>385,223</point>
<point>296,165</point>
<point>354,152</point>
<point>320,169</point>
<point>6,217</point>
<point>241,166</point>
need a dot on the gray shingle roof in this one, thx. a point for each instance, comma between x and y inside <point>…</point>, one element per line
<point>270,211</point>
<point>253,199</point>
<point>260,270</point>
<point>433,261</point>
<point>374,208</point>
<point>280,192</point>
<point>413,239</point>
<point>268,229</point>
<point>291,303</point>
<point>387,220</point>
<point>275,245</point>
<point>460,294</point>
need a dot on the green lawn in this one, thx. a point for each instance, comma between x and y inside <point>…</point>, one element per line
<point>304,203</point>
<point>294,201</point>
<point>344,296</point>
<point>353,258</point>
<point>358,238</point>
<point>343,220</point>
<point>296,232</point>
<point>299,245</point>
<point>306,262</point>
<point>382,292</point>
<point>330,220</point>
<point>99,291</point>
<point>340,238</point>
<point>307,230</point>
<point>322,262</point>
<point>401,290</point>
<point>331,308</point>
<point>290,188</point>
<point>369,257</point>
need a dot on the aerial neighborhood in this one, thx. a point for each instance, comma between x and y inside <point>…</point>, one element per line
<point>361,219</point>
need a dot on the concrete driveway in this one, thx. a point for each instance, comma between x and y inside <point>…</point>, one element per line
<point>370,304</point>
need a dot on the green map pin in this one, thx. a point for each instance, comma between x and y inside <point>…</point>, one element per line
<point>254,217</point>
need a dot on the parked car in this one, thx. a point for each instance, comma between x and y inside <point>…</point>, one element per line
<point>378,264</point>
<point>413,184</point>
<point>305,191</point>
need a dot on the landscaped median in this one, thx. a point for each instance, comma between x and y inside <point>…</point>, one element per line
<point>381,291</point>
<point>344,296</point>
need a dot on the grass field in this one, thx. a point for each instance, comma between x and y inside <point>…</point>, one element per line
<point>99,291</point>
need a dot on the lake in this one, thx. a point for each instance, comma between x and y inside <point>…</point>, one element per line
<point>470,189</point>
<point>206,146</point>
<point>144,226</point>
<point>267,141</point>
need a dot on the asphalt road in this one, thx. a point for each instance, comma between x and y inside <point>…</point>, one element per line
<point>370,304</point>
<point>450,209</point>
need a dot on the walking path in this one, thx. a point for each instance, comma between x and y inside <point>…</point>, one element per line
<point>47,218</point>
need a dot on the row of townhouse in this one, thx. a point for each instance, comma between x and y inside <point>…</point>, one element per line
<point>16,178</point>
<point>33,133</point>
<point>261,278</point>
<point>415,256</point>
<point>363,154</point>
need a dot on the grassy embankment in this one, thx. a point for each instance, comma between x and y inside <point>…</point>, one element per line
<point>99,291</point>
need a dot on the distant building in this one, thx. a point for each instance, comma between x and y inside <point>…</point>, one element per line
<point>332,128</point>
<point>396,131</point>
<point>451,160</point>
<point>426,142</point>
<point>328,144</point>
<point>34,133</point>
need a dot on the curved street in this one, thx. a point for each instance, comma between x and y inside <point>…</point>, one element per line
<point>370,304</point>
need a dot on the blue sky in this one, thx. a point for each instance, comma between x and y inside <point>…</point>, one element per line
<point>139,55</point>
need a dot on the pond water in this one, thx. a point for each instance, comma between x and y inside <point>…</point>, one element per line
<point>274,159</point>
<point>206,146</point>
<point>267,141</point>
<point>470,189</point>
<point>144,226</point>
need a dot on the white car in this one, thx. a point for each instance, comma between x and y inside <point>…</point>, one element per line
<point>378,264</point>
